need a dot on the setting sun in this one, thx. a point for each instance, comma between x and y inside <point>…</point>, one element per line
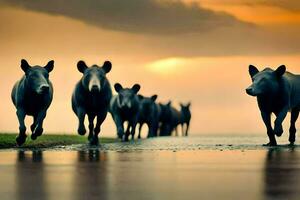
<point>166,66</point>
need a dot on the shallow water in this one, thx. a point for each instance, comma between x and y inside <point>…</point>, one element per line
<point>206,142</point>
<point>211,172</point>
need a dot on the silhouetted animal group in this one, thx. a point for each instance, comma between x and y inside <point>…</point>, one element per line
<point>93,97</point>
<point>277,91</point>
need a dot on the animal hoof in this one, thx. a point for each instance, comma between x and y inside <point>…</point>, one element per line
<point>34,136</point>
<point>20,140</point>
<point>278,131</point>
<point>270,144</point>
<point>38,132</point>
<point>90,137</point>
<point>120,135</point>
<point>94,141</point>
<point>81,131</point>
<point>292,144</point>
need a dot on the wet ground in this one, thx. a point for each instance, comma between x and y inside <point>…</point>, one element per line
<point>205,167</point>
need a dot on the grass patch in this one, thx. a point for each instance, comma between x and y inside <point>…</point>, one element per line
<point>47,141</point>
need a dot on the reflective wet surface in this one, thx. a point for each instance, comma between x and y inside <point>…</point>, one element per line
<point>156,174</point>
<point>205,142</point>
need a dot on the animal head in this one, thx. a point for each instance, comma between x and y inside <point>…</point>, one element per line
<point>147,102</point>
<point>94,77</point>
<point>266,81</point>
<point>127,96</point>
<point>37,77</point>
<point>166,110</point>
<point>185,107</point>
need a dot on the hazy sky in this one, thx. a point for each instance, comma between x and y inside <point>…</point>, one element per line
<point>185,50</point>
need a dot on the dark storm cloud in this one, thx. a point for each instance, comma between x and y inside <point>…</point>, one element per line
<point>135,16</point>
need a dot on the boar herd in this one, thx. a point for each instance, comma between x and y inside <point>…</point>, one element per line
<point>277,92</point>
<point>93,97</point>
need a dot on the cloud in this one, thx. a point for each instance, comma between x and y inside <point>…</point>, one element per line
<point>292,5</point>
<point>288,5</point>
<point>157,29</point>
<point>154,17</point>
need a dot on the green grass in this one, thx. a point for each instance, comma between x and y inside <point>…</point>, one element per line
<point>47,141</point>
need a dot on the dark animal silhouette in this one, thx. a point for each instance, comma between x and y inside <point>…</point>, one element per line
<point>164,119</point>
<point>185,118</point>
<point>149,114</point>
<point>91,97</point>
<point>124,107</point>
<point>175,120</point>
<point>171,120</point>
<point>277,92</point>
<point>32,96</point>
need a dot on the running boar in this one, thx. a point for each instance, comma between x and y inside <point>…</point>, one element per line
<point>149,114</point>
<point>91,97</point>
<point>278,92</point>
<point>124,107</point>
<point>32,96</point>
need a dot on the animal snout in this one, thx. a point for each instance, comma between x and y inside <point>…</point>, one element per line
<point>43,88</point>
<point>94,85</point>
<point>126,104</point>
<point>250,91</point>
<point>95,88</point>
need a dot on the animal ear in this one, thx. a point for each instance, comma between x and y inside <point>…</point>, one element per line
<point>136,88</point>
<point>189,104</point>
<point>253,70</point>
<point>280,70</point>
<point>118,87</point>
<point>169,103</point>
<point>50,65</point>
<point>24,65</point>
<point>81,66</point>
<point>154,97</point>
<point>106,66</point>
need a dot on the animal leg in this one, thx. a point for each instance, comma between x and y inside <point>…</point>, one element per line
<point>21,138</point>
<point>100,120</point>
<point>294,117</point>
<point>127,133</point>
<point>133,127</point>
<point>81,116</point>
<point>155,129</point>
<point>176,131</point>
<point>278,130</point>
<point>119,125</point>
<point>182,129</point>
<point>267,120</point>
<point>38,131</point>
<point>32,127</point>
<point>91,126</point>
<point>150,130</point>
<point>140,130</point>
<point>187,129</point>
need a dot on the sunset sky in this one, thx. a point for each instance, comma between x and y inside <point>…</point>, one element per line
<point>189,50</point>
